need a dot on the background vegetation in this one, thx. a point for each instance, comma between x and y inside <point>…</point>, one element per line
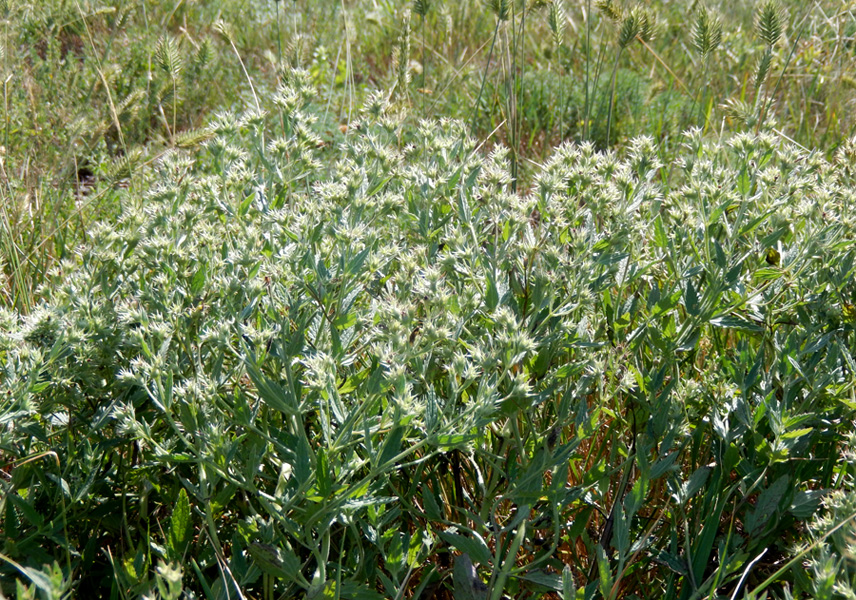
<point>274,326</point>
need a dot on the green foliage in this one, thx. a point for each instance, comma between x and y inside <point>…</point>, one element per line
<point>305,363</point>
<point>550,101</point>
<point>828,567</point>
<point>312,350</point>
<point>48,583</point>
<point>179,528</point>
<point>94,90</point>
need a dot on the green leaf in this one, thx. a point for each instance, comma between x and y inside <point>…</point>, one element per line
<point>30,513</point>
<point>392,445</point>
<point>467,585</point>
<point>396,550</point>
<point>279,563</point>
<point>550,581</point>
<point>474,546</point>
<point>198,281</point>
<point>322,474</point>
<point>419,545</point>
<point>10,521</point>
<point>491,295</point>
<point>179,527</point>
<point>667,303</point>
<point>604,572</point>
<point>806,503</point>
<point>270,392</point>
<point>691,300</point>
<point>664,465</point>
<point>636,497</point>
<point>673,562</point>
<point>797,433</point>
<point>767,504</point>
<point>661,238</point>
<point>353,591</point>
<point>733,322</point>
<point>691,486</point>
<point>569,588</point>
<point>769,273</point>
<point>714,504</point>
<point>48,579</point>
<point>621,531</point>
<point>432,509</point>
<point>454,440</point>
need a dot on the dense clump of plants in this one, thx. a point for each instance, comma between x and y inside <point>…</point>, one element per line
<point>373,371</point>
<point>93,91</point>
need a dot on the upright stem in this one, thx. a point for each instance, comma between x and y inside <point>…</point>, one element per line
<point>596,79</point>
<point>518,88</point>
<point>484,77</point>
<point>703,108</point>
<point>510,103</point>
<point>766,106</point>
<point>588,62</point>
<point>424,68</point>
<point>612,96</point>
<point>278,34</point>
<point>562,111</point>
<point>6,79</point>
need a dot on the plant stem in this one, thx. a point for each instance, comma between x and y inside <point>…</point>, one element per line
<point>588,63</point>
<point>612,96</point>
<point>484,77</point>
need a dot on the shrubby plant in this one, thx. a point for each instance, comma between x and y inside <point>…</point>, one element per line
<point>369,369</point>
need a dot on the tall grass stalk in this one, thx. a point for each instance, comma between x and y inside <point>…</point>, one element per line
<point>768,100</point>
<point>6,75</point>
<point>226,31</point>
<point>587,70</point>
<point>628,32</point>
<point>475,110</point>
<point>350,84</point>
<point>595,80</point>
<point>421,7</point>
<point>556,22</point>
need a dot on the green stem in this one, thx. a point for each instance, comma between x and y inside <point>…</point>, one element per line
<point>484,78</point>
<point>612,97</point>
<point>588,64</point>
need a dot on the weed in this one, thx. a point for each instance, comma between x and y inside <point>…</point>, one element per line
<point>319,369</point>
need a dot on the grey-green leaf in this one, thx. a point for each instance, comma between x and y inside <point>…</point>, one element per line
<point>474,546</point>
<point>467,585</point>
<point>767,504</point>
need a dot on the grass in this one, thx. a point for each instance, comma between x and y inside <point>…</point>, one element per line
<point>298,334</point>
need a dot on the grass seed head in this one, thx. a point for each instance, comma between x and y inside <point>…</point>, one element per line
<point>500,8</point>
<point>707,33</point>
<point>769,22</point>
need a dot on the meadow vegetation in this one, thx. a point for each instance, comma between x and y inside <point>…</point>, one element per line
<point>377,299</point>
